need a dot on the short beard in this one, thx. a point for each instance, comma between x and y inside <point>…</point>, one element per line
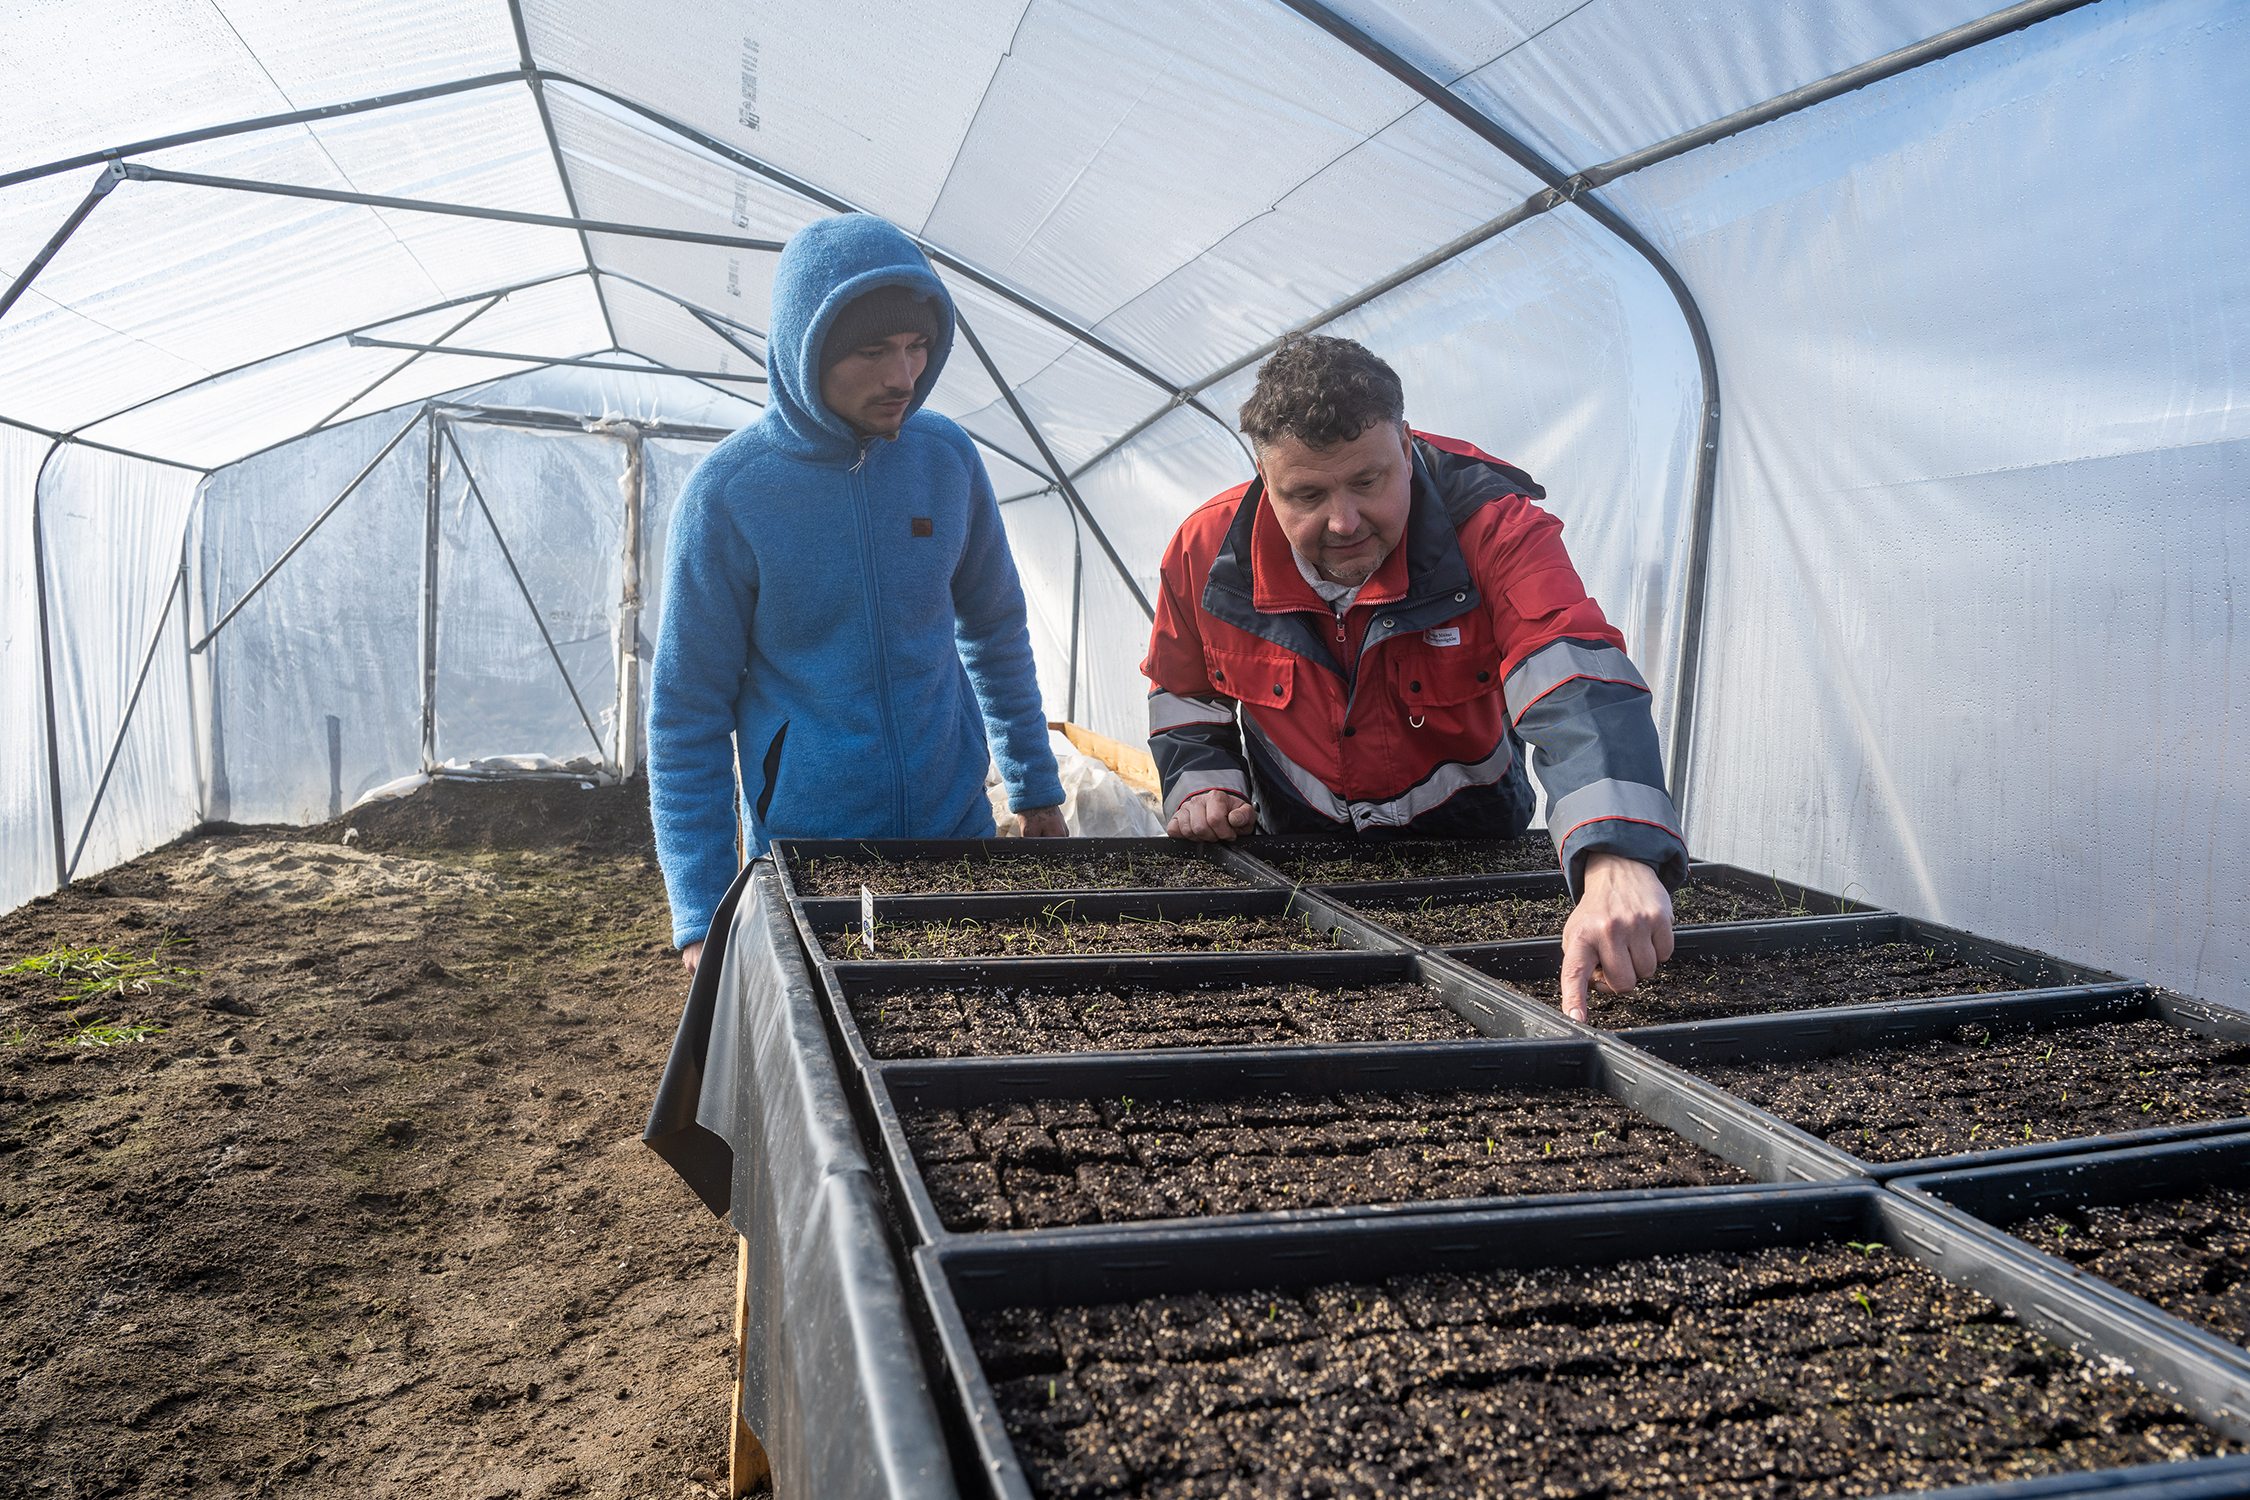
<point>1365,571</point>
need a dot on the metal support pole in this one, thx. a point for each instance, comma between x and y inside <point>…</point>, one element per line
<point>401,367</point>
<point>635,484</point>
<point>1077,603</point>
<point>476,493</point>
<point>1564,188</point>
<point>1054,468</point>
<point>429,604</point>
<point>364,341</point>
<point>187,668</point>
<point>306,535</point>
<point>117,744</point>
<point>937,253</point>
<point>555,153</point>
<point>140,172</point>
<point>260,122</point>
<point>111,176</point>
<point>47,665</point>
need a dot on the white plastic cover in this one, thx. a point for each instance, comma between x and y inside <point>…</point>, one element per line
<point>1957,316</point>
<point>1974,648</point>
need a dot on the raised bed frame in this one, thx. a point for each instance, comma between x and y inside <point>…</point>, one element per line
<point>1807,1189</point>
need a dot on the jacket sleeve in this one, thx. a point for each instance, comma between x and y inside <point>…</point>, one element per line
<point>1577,699</point>
<point>1191,726</point>
<point>702,652</point>
<point>990,632</point>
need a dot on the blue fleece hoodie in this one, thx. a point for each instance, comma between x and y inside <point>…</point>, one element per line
<point>841,608</point>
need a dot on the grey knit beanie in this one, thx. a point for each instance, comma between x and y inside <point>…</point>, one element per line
<point>875,316</point>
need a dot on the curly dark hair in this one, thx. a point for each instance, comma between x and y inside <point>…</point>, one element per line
<point>1321,391</point>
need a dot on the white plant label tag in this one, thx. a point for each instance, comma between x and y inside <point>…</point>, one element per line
<point>1444,635</point>
<point>866,921</point>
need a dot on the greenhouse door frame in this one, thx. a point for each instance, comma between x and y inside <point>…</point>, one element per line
<point>621,754</point>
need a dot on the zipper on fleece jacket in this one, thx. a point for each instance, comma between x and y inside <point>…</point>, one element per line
<point>873,599</point>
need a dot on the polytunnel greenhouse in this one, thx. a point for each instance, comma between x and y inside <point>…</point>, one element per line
<point>1883,362</point>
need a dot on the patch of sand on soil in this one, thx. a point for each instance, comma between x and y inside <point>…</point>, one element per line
<point>309,873</point>
<point>368,1213</point>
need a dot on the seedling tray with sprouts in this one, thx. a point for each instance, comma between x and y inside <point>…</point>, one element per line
<point>1511,908</point>
<point>1810,963</point>
<point>1800,1340</point>
<point>1932,1086</point>
<point>940,928</point>
<point>835,868</point>
<point>1069,1143</point>
<point>1296,859</point>
<point>1018,1007</point>
<point>2157,1227</point>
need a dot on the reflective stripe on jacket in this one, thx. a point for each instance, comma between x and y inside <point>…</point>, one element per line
<point>1403,714</point>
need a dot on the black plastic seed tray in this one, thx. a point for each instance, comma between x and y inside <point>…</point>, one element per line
<point>964,1274</point>
<point>1373,899</point>
<point>1702,1116</point>
<point>1269,853</point>
<point>2031,970</point>
<point>2004,1196</point>
<point>1482,1004</point>
<point>790,856</point>
<point>1868,1030</point>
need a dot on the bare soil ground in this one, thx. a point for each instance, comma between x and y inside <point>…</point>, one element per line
<point>369,1214</point>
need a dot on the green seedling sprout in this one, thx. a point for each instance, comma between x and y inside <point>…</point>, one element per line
<point>1866,1303</point>
<point>1864,1247</point>
<point>1488,1145</point>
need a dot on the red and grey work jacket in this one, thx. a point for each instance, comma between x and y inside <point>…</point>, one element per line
<point>1404,712</point>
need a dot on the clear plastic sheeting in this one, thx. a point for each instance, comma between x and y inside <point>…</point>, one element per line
<point>545,547</point>
<point>1044,536</point>
<point>112,530</point>
<point>142,69</point>
<point>27,858</point>
<point>752,1112</point>
<point>1974,649</point>
<point>312,695</point>
<point>1586,83</point>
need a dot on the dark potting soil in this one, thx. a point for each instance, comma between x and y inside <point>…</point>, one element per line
<point>1707,986</point>
<point>1441,923</point>
<point>1005,1022</point>
<point>1050,936</point>
<point>1108,1161</point>
<point>841,875</point>
<point>1824,1371</point>
<point>1331,860</point>
<point>1979,1089</point>
<point>2189,1256</point>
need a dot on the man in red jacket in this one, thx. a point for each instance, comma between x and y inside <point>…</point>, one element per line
<point>1358,641</point>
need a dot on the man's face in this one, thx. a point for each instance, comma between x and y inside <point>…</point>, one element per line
<point>871,386</point>
<point>1342,507</point>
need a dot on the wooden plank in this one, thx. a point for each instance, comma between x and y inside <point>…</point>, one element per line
<point>1132,763</point>
<point>747,1465</point>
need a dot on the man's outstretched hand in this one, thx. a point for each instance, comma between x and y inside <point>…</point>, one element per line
<point>1043,823</point>
<point>1620,931</point>
<point>1212,817</point>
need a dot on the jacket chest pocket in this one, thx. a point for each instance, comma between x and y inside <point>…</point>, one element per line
<point>1251,677</point>
<point>1424,677</point>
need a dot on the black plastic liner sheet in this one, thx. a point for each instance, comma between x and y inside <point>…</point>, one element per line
<point>752,1113</point>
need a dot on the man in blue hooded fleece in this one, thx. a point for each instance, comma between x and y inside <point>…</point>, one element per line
<point>839,600</point>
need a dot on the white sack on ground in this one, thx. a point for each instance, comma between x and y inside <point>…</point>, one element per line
<point>1096,801</point>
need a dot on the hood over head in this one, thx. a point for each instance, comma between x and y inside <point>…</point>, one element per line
<point>825,266</point>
